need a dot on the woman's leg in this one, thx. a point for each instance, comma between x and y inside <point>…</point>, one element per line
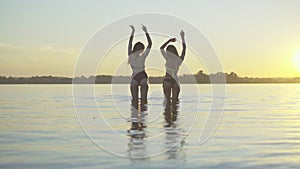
<point>167,90</point>
<point>134,88</point>
<point>175,92</point>
<point>144,90</point>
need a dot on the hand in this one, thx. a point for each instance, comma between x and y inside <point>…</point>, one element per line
<point>132,28</point>
<point>144,28</point>
<point>172,40</point>
<point>182,34</point>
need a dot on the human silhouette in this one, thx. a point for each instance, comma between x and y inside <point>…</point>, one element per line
<point>171,85</point>
<point>139,77</point>
<point>170,113</point>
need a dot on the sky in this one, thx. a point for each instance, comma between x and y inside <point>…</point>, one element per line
<point>254,38</point>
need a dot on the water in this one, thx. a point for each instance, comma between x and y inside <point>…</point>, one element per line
<point>260,128</point>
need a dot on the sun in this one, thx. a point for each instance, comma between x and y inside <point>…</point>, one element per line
<point>297,61</point>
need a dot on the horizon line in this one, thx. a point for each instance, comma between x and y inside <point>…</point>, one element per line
<point>157,76</point>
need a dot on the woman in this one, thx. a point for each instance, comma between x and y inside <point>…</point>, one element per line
<point>139,77</point>
<point>173,61</point>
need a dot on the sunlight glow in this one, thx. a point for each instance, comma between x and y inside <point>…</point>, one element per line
<point>297,61</point>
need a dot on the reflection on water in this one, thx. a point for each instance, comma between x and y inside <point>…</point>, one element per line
<point>260,129</point>
<point>174,135</point>
<point>136,145</point>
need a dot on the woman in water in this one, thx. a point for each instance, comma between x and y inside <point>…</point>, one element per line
<point>173,61</point>
<point>139,77</point>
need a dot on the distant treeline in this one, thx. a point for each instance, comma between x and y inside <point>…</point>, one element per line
<point>199,77</point>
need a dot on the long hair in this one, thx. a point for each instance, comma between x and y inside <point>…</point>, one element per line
<point>172,49</point>
<point>138,47</point>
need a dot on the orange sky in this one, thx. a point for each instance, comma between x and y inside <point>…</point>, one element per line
<point>252,37</point>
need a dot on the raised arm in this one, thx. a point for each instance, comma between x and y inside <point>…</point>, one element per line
<point>130,40</point>
<point>147,50</point>
<point>144,28</point>
<point>183,45</point>
<point>162,48</point>
<point>166,43</point>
